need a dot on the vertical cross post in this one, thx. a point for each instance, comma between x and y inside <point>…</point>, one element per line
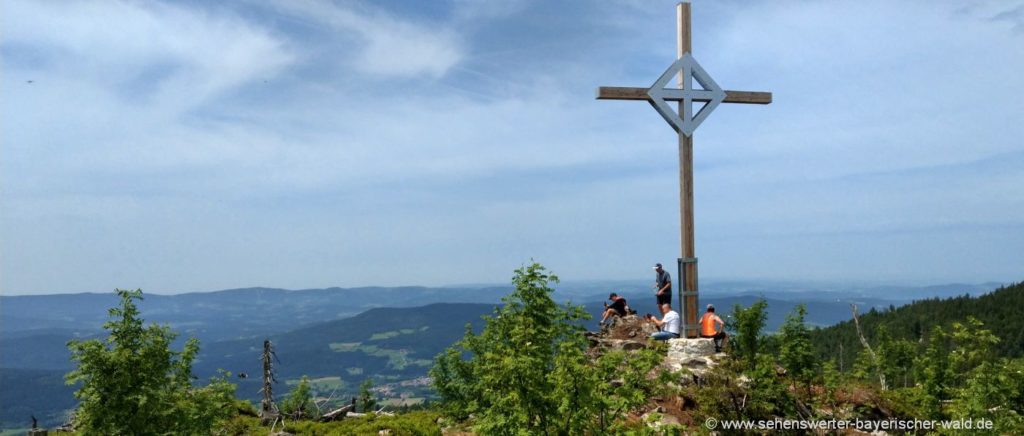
<point>688,259</point>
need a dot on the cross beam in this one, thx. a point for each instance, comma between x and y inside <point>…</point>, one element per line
<point>628,93</point>
<point>685,122</point>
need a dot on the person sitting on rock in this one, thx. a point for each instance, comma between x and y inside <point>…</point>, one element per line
<point>617,308</point>
<point>669,324</point>
<point>711,326</point>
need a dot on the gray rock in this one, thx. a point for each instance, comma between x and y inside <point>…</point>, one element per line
<point>630,346</point>
<point>692,347</point>
<point>696,356</point>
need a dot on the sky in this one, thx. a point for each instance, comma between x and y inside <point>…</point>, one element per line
<point>193,146</point>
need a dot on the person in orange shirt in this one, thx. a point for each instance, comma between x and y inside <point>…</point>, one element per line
<point>711,326</point>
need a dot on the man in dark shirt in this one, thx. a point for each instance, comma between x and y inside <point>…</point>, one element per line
<point>617,308</point>
<point>662,285</point>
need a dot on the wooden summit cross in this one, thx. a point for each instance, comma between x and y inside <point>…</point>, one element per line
<point>685,122</point>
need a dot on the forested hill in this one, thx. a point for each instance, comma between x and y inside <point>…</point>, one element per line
<point>999,310</point>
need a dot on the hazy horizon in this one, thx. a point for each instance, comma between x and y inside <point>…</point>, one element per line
<point>711,283</point>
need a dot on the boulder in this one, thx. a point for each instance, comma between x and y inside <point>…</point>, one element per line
<point>630,346</point>
<point>697,347</point>
<point>696,355</point>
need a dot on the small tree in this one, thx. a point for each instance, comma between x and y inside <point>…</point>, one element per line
<point>367,401</point>
<point>299,402</point>
<point>749,323</point>
<point>831,380</point>
<point>864,368</point>
<point>972,345</point>
<point>528,372</point>
<point>796,353</point>
<point>581,385</point>
<point>935,373</point>
<point>133,383</point>
<point>521,365</point>
<point>621,384</point>
<point>896,357</point>
<point>993,390</point>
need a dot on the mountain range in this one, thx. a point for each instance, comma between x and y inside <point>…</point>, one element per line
<point>338,337</point>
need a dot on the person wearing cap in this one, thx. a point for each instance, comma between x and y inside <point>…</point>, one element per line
<point>668,325</point>
<point>617,308</point>
<point>663,285</point>
<point>711,326</point>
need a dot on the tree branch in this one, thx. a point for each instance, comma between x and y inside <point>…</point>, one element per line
<point>871,352</point>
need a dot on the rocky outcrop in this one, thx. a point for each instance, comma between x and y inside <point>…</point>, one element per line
<point>695,356</point>
<point>626,333</point>
<point>690,357</point>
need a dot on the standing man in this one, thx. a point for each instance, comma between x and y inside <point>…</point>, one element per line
<point>711,326</point>
<point>668,325</point>
<point>663,285</point>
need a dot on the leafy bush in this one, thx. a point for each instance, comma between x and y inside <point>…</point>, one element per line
<point>367,401</point>
<point>133,383</point>
<point>796,354</point>
<point>746,330</point>
<point>299,402</point>
<point>528,352</point>
<point>527,372</point>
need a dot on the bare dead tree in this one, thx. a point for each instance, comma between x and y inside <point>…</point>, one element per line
<point>268,410</point>
<point>337,414</point>
<point>871,352</point>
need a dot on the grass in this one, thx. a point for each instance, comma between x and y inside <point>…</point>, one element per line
<point>390,334</point>
<point>402,402</point>
<point>422,422</point>
<point>397,359</point>
<point>342,347</point>
<point>320,385</point>
<point>384,335</point>
<point>326,383</point>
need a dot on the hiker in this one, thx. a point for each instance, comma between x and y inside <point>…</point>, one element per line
<point>617,308</point>
<point>662,285</point>
<point>669,324</point>
<point>709,327</point>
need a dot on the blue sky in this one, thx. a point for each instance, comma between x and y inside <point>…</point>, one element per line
<point>193,146</point>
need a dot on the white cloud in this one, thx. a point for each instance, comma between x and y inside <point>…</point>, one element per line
<point>388,47</point>
<point>158,55</point>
